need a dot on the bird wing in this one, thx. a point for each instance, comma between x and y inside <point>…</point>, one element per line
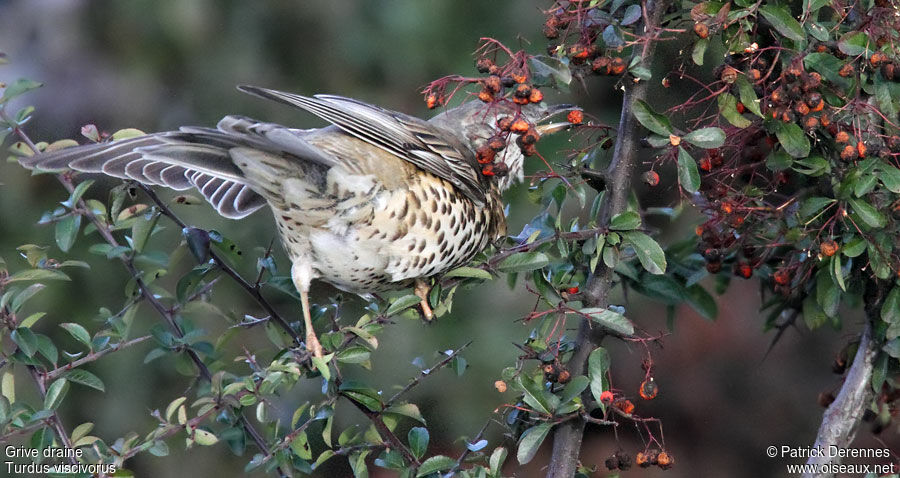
<point>190,157</point>
<point>412,139</point>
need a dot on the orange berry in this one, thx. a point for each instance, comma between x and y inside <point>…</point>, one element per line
<point>828,248</point>
<point>674,140</point>
<point>520,101</point>
<point>504,123</point>
<point>842,137</point>
<point>485,96</point>
<point>754,74</point>
<point>572,290</point>
<point>432,100</point>
<point>606,397</point>
<point>642,459</point>
<point>861,149</point>
<point>877,58</point>
<point>617,66</point>
<point>518,77</point>
<point>740,107</point>
<point>500,385</point>
<point>698,230</point>
<point>575,117</point>
<point>536,96</point>
<point>651,178</point>
<point>492,84</point>
<point>801,108</point>
<point>625,406</point>
<point>727,208</point>
<point>782,277</point>
<point>811,123</point>
<point>818,107</point>
<point>729,75</point>
<point>705,164</point>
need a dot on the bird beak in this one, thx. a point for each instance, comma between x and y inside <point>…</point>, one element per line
<point>554,110</point>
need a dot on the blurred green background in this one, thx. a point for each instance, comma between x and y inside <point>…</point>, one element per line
<point>162,64</point>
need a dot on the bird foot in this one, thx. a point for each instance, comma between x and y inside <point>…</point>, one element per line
<point>313,346</point>
<point>422,289</point>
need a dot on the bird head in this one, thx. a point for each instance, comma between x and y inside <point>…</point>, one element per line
<point>478,126</point>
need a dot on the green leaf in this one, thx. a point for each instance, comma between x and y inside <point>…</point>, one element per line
<point>811,206</point>
<point>781,19</point>
<point>403,303</point>
<point>205,438</point>
<point>598,365</point>
<point>706,137</point>
<point>856,43</point>
<point>632,14</point>
<point>524,261</point>
<point>748,95</point>
<point>55,394</point>
<point>890,310</point>
<point>793,139</point>
<point>829,66</point>
<point>699,51</point>
<point>354,354</point>
<point>418,441</point>
<point>83,377</point>
<point>37,274</point>
<point>648,251</point>
<point>625,221</point>
<point>688,174</point>
<point>890,177</point>
<point>828,295</point>
<point>497,459</point>
<point>26,340</point>
<point>78,332</point>
<point>410,410</point>
<point>728,109</point>
<point>300,446</point>
<point>650,119</point>
<point>66,231</point>
<point>472,272</point>
<point>702,302</point>
<point>531,441</point>
<point>19,87</point>
<point>435,464</point>
<point>869,215</point>
<point>609,319</point>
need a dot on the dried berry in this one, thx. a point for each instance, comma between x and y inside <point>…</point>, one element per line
<point>701,29</point>
<point>828,248</point>
<point>492,84</point>
<point>519,126</point>
<point>848,153</point>
<point>877,59</point>
<point>432,100</point>
<point>536,96</point>
<point>664,460</point>
<point>846,70</point>
<point>888,71</point>
<point>810,123</point>
<point>496,143</point>
<point>729,75</point>
<point>782,277</point>
<point>648,389</point>
<point>505,122</point>
<point>825,399</point>
<point>714,267</point>
<point>617,66</point>
<point>484,65</point>
<point>485,96</point>
<point>842,137</point>
<point>484,154</point>
<point>600,65</point>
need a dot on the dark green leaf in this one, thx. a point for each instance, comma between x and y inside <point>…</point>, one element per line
<point>651,120</point>
<point>354,354</point>
<point>25,339</point>
<point>66,231</point>
<point>625,221</point>
<point>632,14</point>
<point>707,138</point>
<point>890,177</point>
<point>688,174</point>
<point>531,441</point>
<point>78,332</point>
<point>55,393</point>
<point>856,43</point>
<point>793,139</point>
<point>748,95</point>
<point>418,441</point>
<point>781,19</point>
<point>867,212</point>
<point>890,310</point>
<point>811,206</point>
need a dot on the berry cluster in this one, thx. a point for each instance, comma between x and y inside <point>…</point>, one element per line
<point>585,54</point>
<point>662,459</point>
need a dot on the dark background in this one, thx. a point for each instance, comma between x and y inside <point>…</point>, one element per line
<point>159,65</point>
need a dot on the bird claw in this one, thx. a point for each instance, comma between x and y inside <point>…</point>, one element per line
<point>422,289</point>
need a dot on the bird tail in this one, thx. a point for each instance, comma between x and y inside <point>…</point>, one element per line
<point>190,157</point>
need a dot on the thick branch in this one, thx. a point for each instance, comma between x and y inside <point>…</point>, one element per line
<point>844,414</point>
<point>567,436</point>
